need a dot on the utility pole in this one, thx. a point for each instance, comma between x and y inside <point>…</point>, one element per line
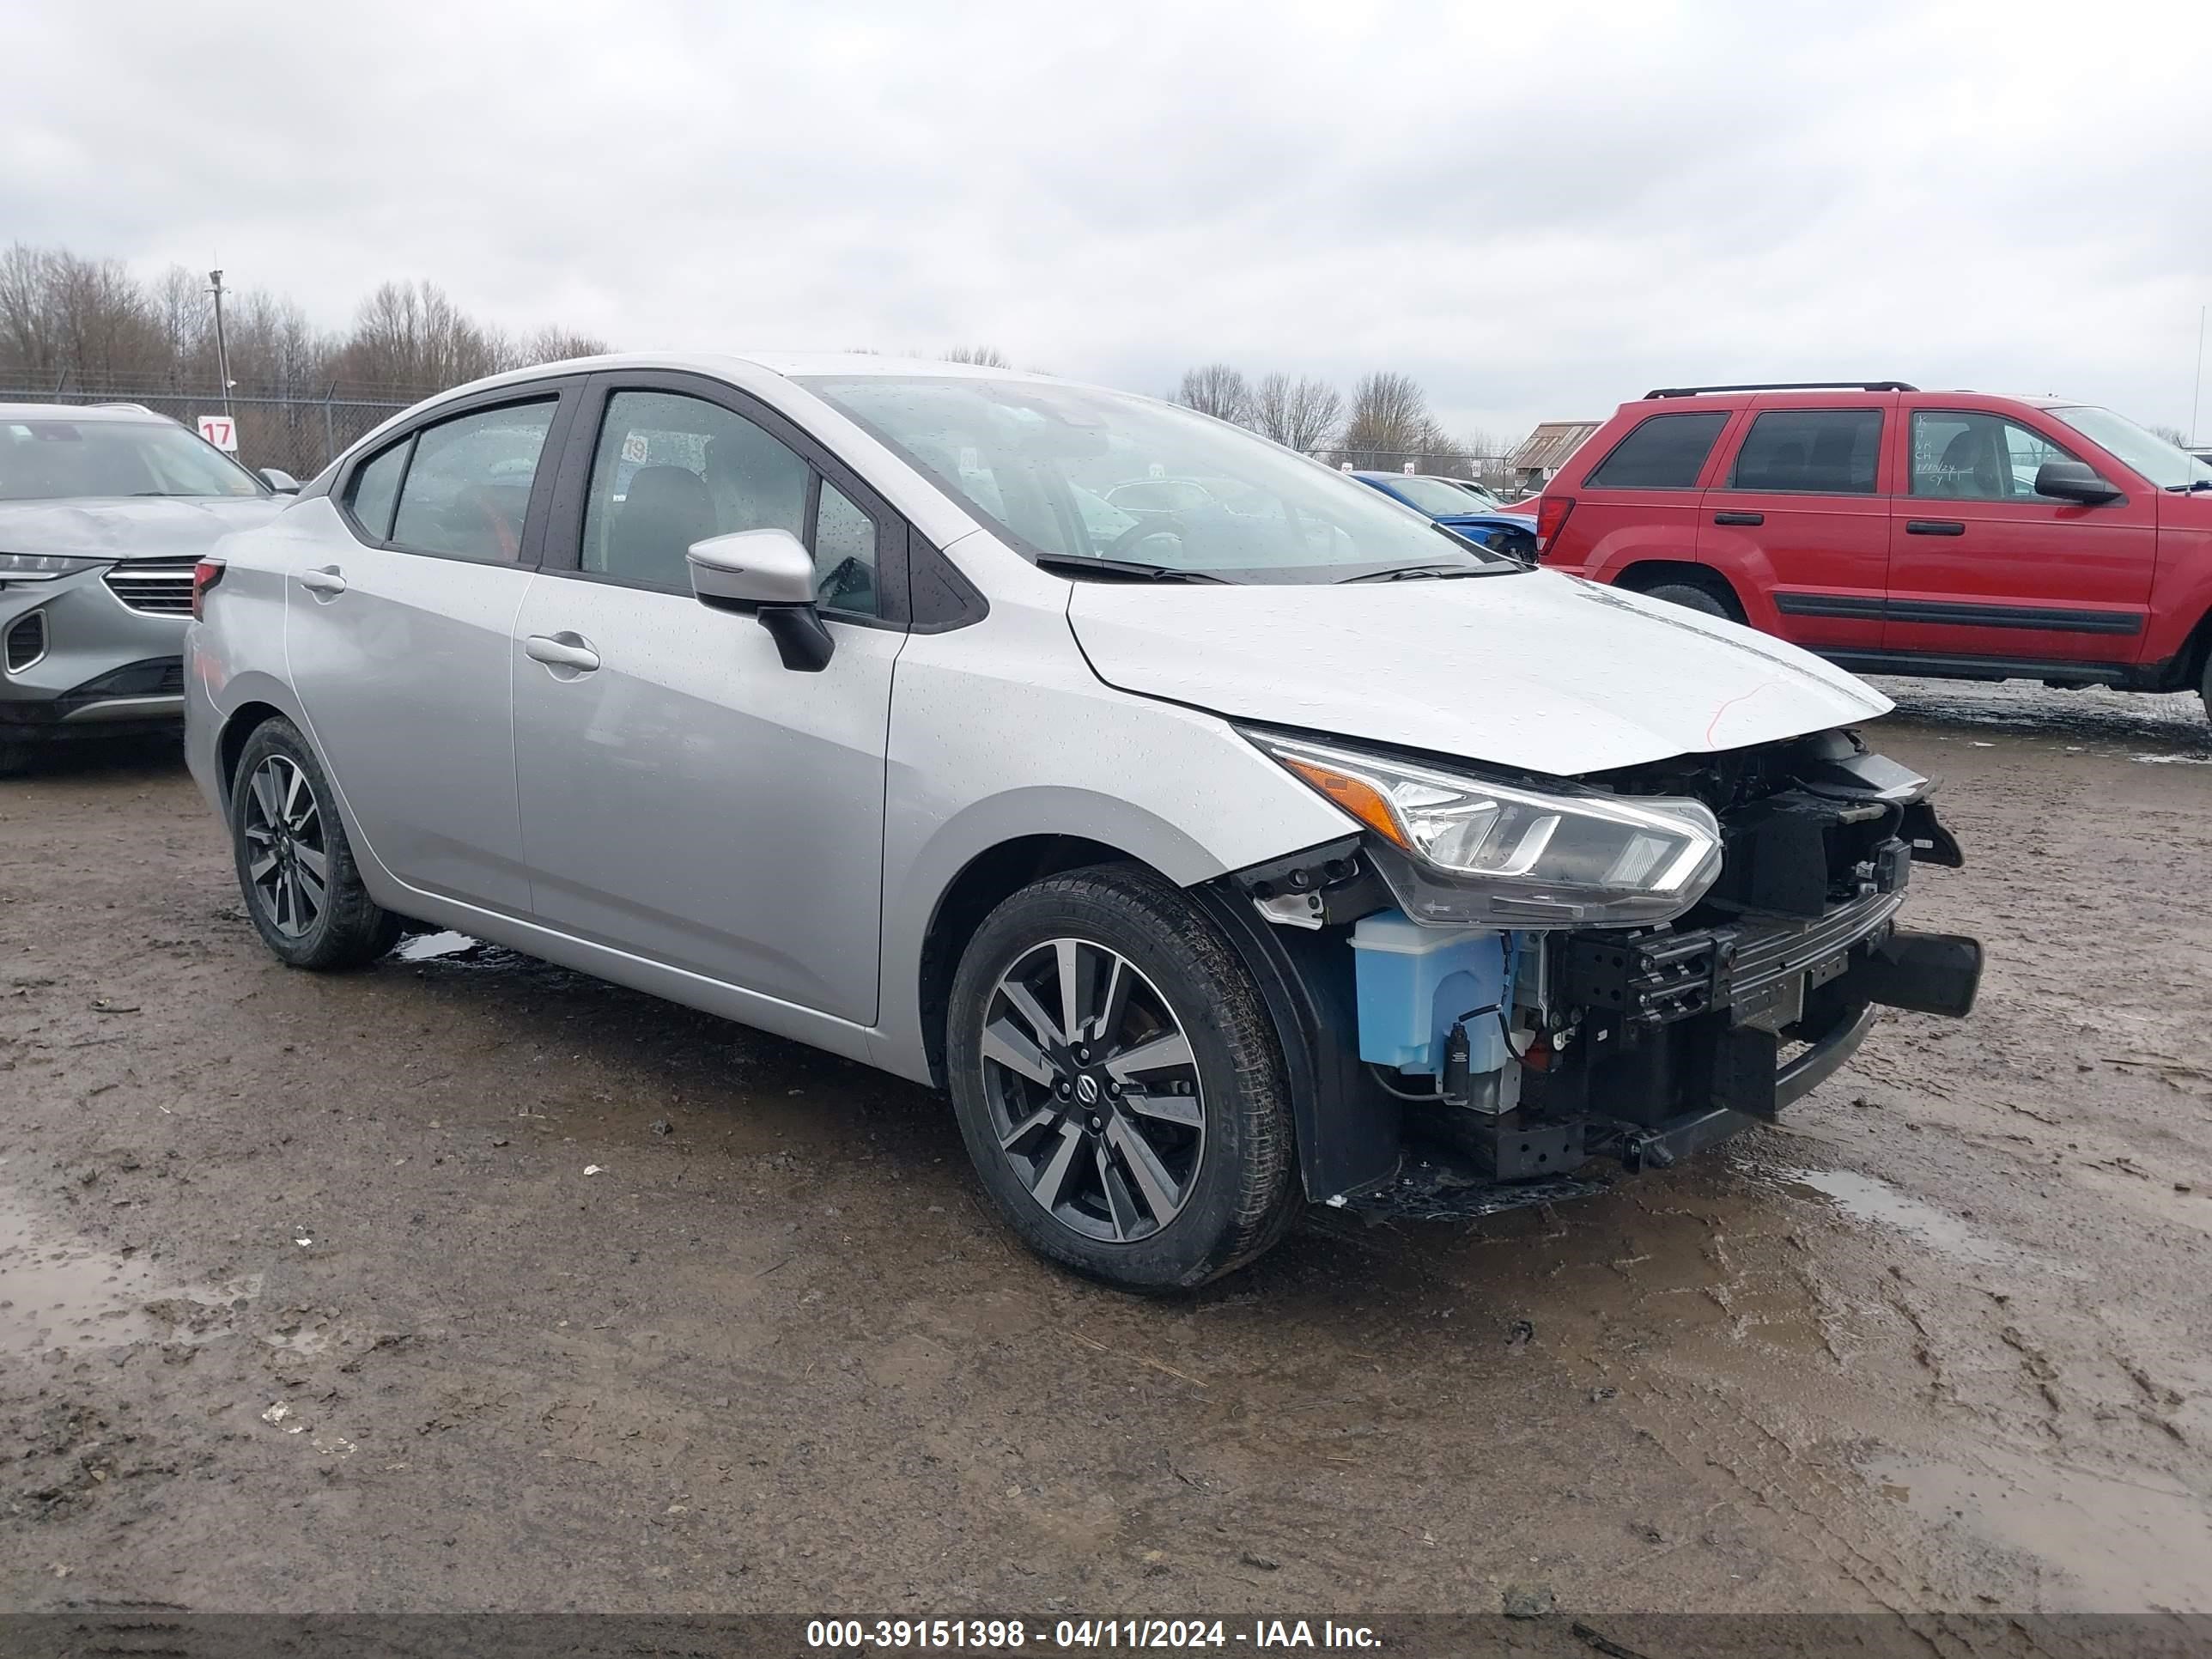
<point>222,345</point>
<point>2197,396</point>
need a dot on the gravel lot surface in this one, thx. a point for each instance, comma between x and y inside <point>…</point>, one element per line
<point>311,1299</point>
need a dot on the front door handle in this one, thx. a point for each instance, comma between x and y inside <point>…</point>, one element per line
<point>328,581</point>
<point>1739,518</point>
<point>563,650</point>
<point>1934,528</point>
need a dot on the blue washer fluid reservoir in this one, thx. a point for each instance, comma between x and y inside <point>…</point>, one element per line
<point>1414,981</point>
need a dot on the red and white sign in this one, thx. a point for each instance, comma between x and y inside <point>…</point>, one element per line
<point>221,431</point>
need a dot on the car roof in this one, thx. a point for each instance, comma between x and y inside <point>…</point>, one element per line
<point>136,412</point>
<point>790,365</point>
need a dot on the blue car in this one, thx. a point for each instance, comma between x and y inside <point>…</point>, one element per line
<point>1513,534</point>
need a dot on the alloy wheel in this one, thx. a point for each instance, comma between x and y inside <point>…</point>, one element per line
<point>287,858</point>
<point>1093,1090</point>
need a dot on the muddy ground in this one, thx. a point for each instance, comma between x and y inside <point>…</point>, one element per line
<point>309,1299</point>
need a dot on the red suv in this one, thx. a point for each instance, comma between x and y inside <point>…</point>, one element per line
<point>1900,531</point>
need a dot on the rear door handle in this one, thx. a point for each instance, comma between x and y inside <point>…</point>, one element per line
<point>328,580</point>
<point>1934,528</point>
<point>562,650</point>
<point>1739,518</point>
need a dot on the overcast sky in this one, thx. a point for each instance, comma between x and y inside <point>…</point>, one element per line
<point>1537,209</point>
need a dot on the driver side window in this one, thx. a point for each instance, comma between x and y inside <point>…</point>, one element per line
<point>670,470</point>
<point>1964,457</point>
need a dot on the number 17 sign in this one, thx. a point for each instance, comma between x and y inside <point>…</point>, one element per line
<point>221,431</point>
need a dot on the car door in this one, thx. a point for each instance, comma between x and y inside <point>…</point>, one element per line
<point>1801,502</point>
<point>398,644</point>
<point>686,796</point>
<point>1982,567</point>
<point>1638,503</point>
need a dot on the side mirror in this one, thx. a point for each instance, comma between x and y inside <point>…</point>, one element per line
<point>2073,481</point>
<point>280,480</point>
<point>770,573</point>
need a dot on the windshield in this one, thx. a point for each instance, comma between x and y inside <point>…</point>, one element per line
<point>2159,461</point>
<point>52,460</point>
<point>1067,472</point>
<point>1434,495</point>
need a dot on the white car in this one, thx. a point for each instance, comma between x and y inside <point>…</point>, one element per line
<point>1207,859</point>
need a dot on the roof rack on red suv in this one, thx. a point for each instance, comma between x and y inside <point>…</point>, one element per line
<point>1781,385</point>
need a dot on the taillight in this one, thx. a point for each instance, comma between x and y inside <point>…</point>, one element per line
<point>206,574</point>
<point>1551,518</point>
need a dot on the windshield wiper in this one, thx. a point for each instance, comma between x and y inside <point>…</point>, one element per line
<point>2193,485</point>
<point>1410,573</point>
<point>1132,570</point>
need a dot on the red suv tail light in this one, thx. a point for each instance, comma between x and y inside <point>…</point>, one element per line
<point>1551,518</point>
<point>206,574</point>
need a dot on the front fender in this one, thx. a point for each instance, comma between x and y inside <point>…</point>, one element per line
<point>1000,731</point>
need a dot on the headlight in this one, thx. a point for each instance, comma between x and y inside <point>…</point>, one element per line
<point>1474,852</point>
<point>39,566</point>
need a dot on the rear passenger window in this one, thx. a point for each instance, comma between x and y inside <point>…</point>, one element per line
<point>467,491</point>
<point>375,490</point>
<point>1667,452</point>
<point>1821,452</point>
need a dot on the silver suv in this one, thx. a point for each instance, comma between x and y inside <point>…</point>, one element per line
<point>1212,854</point>
<point>103,512</point>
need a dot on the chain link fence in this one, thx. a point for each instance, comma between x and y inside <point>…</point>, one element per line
<point>301,431</point>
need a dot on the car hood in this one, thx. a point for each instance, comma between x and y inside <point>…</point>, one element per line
<point>132,527</point>
<point>1536,671</point>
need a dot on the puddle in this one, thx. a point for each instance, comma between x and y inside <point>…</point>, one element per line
<point>432,947</point>
<point>56,1292</point>
<point>1867,1199</point>
<point>2101,1543</point>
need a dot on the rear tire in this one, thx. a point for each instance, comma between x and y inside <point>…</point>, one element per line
<point>2204,689</point>
<point>296,868</point>
<point>15,757</point>
<point>1152,1146</point>
<point>1708,598</point>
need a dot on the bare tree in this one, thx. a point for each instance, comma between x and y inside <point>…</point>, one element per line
<point>982,357</point>
<point>26,343</point>
<point>411,334</point>
<point>2172,435</point>
<point>1389,422</point>
<point>1219,390</point>
<point>271,342</point>
<point>184,312</point>
<point>65,319</point>
<point>553,344</point>
<point>1302,413</point>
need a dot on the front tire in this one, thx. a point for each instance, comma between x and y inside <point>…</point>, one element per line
<point>2204,689</point>
<point>296,868</point>
<point>1118,1082</point>
<point>15,757</point>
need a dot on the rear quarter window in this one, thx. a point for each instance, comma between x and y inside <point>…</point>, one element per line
<point>1665,452</point>
<point>375,490</point>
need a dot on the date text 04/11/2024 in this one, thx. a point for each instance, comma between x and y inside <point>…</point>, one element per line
<point>1082,1635</point>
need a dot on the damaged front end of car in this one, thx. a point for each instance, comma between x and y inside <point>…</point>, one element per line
<point>1505,988</point>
